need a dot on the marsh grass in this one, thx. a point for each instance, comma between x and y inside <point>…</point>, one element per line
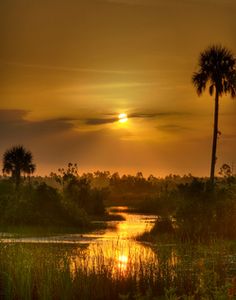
<point>34,271</point>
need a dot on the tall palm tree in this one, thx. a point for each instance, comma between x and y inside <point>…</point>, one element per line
<point>217,69</point>
<point>18,160</point>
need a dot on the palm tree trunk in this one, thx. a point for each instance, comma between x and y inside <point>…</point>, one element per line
<point>215,136</point>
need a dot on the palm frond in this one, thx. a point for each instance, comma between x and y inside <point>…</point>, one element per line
<point>211,89</point>
<point>199,81</point>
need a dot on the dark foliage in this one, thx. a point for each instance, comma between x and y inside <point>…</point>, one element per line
<point>204,212</point>
<point>36,205</point>
<point>78,191</point>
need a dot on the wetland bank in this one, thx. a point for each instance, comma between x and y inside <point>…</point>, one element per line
<point>118,260</point>
<point>102,236</point>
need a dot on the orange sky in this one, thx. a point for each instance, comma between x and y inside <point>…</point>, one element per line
<point>69,67</point>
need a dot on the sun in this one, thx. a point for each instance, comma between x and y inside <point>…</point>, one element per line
<point>123,118</point>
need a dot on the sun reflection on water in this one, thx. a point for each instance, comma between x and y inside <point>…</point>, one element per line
<point>116,250</point>
<point>122,262</point>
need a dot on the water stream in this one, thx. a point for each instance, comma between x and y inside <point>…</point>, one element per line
<point>116,249</point>
<point>116,243</point>
<point>127,229</point>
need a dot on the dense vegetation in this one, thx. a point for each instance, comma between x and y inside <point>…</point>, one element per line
<point>188,208</point>
<point>35,202</point>
<point>195,211</point>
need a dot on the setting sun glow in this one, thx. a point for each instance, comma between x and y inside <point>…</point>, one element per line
<point>123,118</point>
<point>122,262</point>
<point>123,259</point>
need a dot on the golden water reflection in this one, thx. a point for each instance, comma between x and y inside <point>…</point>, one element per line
<point>117,250</point>
<point>114,250</point>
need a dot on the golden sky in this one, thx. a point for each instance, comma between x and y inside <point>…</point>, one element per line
<point>68,68</point>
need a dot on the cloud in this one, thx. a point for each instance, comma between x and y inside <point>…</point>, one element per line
<point>154,114</point>
<point>55,142</point>
<point>14,126</point>
<point>14,123</point>
<point>12,115</point>
<point>100,121</point>
<point>112,118</point>
<point>69,69</point>
<point>172,128</point>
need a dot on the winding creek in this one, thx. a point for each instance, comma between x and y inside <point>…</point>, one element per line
<point>114,244</point>
<point>127,229</point>
<point>114,251</point>
<point>117,249</point>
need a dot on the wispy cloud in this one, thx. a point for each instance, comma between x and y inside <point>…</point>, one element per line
<point>65,69</point>
<point>172,128</point>
<point>13,118</point>
<point>112,118</point>
<point>12,115</point>
<point>154,114</point>
<point>77,69</point>
<point>13,123</point>
<point>100,121</point>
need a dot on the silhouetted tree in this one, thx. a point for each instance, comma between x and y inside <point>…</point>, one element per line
<point>226,171</point>
<point>17,161</point>
<point>66,175</point>
<point>217,66</point>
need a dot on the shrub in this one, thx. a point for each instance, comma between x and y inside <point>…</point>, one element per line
<point>79,191</point>
<point>163,225</point>
<point>205,212</point>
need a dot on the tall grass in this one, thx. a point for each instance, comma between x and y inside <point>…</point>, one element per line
<point>32,271</point>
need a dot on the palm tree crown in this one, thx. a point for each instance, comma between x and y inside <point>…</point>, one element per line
<point>217,66</point>
<point>18,160</point>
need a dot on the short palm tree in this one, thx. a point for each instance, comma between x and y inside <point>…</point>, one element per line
<point>17,161</point>
<point>217,69</point>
